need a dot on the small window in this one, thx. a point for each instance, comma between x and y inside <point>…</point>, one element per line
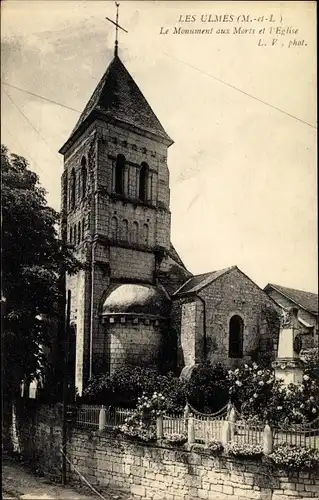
<point>143,186</point>
<point>119,174</point>
<point>124,231</point>
<point>145,234</point>
<point>79,232</point>
<point>114,228</point>
<point>72,189</point>
<point>236,337</point>
<point>71,235</point>
<point>74,235</point>
<point>135,232</point>
<point>83,177</point>
<point>83,228</point>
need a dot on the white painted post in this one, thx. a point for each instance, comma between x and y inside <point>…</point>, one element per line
<point>186,415</point>
<point>232,422</point>
<point>159,427</point>
<point>226,432</point>
<point>102,419</point>
<point>267,440</point>
<point>191,430</point>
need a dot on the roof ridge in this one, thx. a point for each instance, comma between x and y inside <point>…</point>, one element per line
<point>198,286</point>
<point>118,95</point>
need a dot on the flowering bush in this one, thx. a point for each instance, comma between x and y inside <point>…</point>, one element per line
<point>303,400</point>
<point>142,423</point>
<point>292,456</point>
<point>215,447</point>
<point>258,393</point>
<point>243,450</point>
<point>126,385</point>
<point>176,439</point>
<point>263,398</point>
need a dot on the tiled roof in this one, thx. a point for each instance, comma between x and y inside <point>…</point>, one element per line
<point>117,96</point>
<point>198,282</point>
<point>306,300</point>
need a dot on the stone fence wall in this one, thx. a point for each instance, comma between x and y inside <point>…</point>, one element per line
<point>151,471</point>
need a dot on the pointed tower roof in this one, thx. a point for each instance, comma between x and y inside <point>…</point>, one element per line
<point>118,97</point>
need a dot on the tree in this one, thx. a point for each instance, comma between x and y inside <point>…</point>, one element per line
<point>34,260</point>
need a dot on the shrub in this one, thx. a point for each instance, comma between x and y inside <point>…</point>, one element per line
<point>207,390</point>
<point>125,386</point>
<point>142,423</point>
<point>258,392</point>
<point>296,457</point>
<point>243,450</point>
<point>215,447</point>
<point>176,439</point>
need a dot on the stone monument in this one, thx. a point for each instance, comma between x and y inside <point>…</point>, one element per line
<point>288,365</point>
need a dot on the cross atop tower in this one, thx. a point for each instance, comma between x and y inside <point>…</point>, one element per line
<point>117,26</point>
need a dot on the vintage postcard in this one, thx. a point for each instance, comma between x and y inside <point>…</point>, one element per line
<point>160,281</point>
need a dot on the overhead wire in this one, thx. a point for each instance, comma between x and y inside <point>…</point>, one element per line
<point>26,151</point>
<point>242,91</point>
<point>40,97</point>
<point>29,122</point>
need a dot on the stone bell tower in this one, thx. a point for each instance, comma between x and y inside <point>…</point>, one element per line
<point>115,213</point>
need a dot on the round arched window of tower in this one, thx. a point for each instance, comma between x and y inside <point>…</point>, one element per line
<point>114,228</point>
<point>72,189</point>
<point>145,234</point>
<point>236,337</point>
<point>83,177</point>
<point>135,232</point>
<point>124,230</point>
<point>143,182</point>
<point>119,174</point>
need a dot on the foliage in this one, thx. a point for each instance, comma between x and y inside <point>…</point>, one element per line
<point>296,457</point>
<point>243,449</point>
<point>258,392</point>
<point>126,385</point>
<point>265,399</point>
<point>33,260</point>
<point>310,357</point>
<point>142,423</point>
<point>207,390</point>
<point>215,447</point>
<point>176,438</point>
<point>303,400</point>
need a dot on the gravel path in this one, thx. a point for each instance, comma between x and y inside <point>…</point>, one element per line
<point>18,482</point>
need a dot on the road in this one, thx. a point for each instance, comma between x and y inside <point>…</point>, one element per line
<point>18,482</point>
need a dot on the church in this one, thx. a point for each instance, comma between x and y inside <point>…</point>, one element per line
<point>135,302</point>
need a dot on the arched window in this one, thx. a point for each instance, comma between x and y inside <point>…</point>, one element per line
<point>65,190</point>
<point>72,189</point>
<point>135,232</point>
<point>83,228</point>
<point>74,234</point>
<point>124,230</point>
<point>79,232</point>
<point>143,186</point>
<point>83,177</point>
<point>119,174</point>
<point>71,235</point>
<point>236,337</point>
<point>114,228</point>
<point>145,234</point>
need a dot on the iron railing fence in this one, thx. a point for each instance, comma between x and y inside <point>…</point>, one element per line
<point>206,428</point>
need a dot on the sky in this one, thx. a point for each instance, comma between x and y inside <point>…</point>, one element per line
<point>243,175</point>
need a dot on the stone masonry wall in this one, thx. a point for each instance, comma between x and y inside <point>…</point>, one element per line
<point>157,471</point>
<point>134,344</point>
<point>132,264</point>
<point>235,294</point>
